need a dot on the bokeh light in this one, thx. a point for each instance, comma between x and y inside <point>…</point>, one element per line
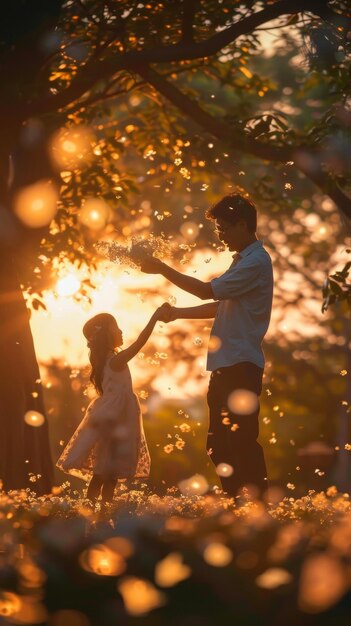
<point>94,213</point>
<point>10,603</point>
<point>214,343</point>
<point>273,577</point>
<point>139,595</point>
<point>196,485</point>
<point>217,554</point>
<point>171,570</point>
<point>323,581</point>
<point>189,230</point>
<point>242,402</point>
<point>34,418</point>
<point>101,560</point>
<point>71,147</point>
<point>36,205</point>
<point>224,469</point>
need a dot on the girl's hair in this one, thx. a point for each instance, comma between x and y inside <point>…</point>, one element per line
<point>97,332</point>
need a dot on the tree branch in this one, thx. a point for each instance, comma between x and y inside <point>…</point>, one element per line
<point>311,166</point>
<point>307,160</point>
<point>212,125</point>
<point>95,70</point>
<point>189,9</point>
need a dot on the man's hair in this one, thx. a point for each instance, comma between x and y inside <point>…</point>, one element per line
<point>233,208</point>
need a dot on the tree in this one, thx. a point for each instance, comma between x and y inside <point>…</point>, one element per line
<point>84,82</point>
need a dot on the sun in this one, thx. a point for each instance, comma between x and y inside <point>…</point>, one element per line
<point>68,285</point>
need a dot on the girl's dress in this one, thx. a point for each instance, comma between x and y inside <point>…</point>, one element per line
<point>110,440</point>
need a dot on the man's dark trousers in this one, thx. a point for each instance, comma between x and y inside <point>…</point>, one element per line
<point>236,446</point>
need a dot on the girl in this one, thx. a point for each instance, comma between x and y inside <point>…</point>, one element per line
<point>109,443</point>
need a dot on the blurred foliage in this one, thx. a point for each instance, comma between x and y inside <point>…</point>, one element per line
<point>174,560</point>
<point>337,288</point>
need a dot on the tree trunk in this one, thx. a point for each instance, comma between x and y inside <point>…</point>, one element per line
<point>24,449</point>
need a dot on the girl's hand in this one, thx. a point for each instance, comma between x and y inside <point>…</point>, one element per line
<point>164,312</point>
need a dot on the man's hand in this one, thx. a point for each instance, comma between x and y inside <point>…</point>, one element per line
<point>150,265</point>
<point>164,312</point>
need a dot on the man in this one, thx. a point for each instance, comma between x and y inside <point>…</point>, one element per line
<point>241,305</point>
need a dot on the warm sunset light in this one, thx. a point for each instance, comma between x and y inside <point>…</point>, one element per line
<point>68,285</point>
<point>175,299</point>
<point>36,204</point>
<point>34,418</point>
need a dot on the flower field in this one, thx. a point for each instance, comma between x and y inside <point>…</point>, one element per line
<point>175,559</point>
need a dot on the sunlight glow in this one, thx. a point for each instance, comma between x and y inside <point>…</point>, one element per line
<point>68,285</point>
<point>132,297</point>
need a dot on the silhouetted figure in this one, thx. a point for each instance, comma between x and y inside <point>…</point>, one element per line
<point>109,444</point>
<point>241,305</point>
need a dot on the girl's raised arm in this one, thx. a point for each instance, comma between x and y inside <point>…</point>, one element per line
<point>120,360</point>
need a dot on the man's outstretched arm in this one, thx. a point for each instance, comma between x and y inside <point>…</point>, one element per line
<point>199,288</point>
<point>204,311</point>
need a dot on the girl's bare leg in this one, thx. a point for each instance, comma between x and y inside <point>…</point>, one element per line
<point>94,487</point>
